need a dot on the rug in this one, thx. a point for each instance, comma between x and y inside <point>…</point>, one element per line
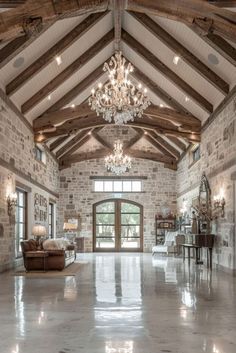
<point>71,270</point>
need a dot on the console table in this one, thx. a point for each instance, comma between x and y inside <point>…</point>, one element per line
<point>189,247</point>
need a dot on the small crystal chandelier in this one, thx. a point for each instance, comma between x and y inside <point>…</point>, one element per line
<point>118,163</point>
<point>119,98</point>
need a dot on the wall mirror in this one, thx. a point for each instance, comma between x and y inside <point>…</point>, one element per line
<point>204,205</point>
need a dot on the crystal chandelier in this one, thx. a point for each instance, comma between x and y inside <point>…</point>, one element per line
<point>118,163</point>
<point>119,98</point>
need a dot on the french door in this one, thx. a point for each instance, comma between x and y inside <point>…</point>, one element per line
<point>117,226</point>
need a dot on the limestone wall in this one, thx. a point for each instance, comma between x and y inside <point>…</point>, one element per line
<point>76,193</point>
<point>218,161</point>
<point>17,161</point>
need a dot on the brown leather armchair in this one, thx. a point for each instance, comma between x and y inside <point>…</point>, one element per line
<point>38,259</point>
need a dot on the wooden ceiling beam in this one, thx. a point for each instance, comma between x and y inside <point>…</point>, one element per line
<point>11,4</point>
<point>183,52</point>
<point>94,121</point>
<point>222,3</point>
<point>57,142</point>
<point>73,142</point>
<point>206,16</point>
<point>218,43</point>
<point>168,73</point>
<point>159,92</point>
<point>117,13</point>
<point>77,90</point>
<point>174,116</point>
<point>157,145</point>
<point>162,145</point>
<point>102,142</point>
<point>51,53</point>
<point>49,120</point>
<point>157,157</point>
<point>68,72</point>
<point>11,47</point>
<point>178,143</point>
<point>12,22</point>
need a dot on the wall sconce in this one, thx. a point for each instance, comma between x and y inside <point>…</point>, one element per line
<point>11,202</point>
<point>219,203</point>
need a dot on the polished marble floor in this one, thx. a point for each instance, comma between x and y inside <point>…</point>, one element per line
<point>120,303</point>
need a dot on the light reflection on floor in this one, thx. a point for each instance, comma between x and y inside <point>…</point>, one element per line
<point>120,303</point>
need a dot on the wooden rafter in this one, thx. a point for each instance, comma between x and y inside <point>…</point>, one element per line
<point>218,43</point>
<point>68,147</point>
<point>168,73</point>
<point>11,4</point>
<point>162,127</point>
<point>11,47</point>
<point>117,11</point>
<point>164,144</point>
<point>77,90</point>
<point>102,142</point>
<point>51,53</point>
<point>183,52</point>
<point>158,91</point>
<point>49,120</point>
<point>57,142</point>
<point>80,157</point>
<point>178,143</point>
<point>68,72</point>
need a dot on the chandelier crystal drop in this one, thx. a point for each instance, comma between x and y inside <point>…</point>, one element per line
<point>117,162</point>
<point>119,98</point>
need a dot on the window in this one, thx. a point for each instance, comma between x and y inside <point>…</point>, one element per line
<point>21,221</point>
<point>118,185</point>
<point>40,154</point>
<point>51,220</point>
<point>196,153</point>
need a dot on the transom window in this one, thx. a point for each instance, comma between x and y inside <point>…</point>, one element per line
<point>118,185</point>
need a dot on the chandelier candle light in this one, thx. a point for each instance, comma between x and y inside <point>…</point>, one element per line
<point>119,98</point>
<point>117,162</point>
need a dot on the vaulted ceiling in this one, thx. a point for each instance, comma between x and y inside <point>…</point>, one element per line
<point>52,54</point>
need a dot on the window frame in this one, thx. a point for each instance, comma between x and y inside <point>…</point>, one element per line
<point>18,239</point>
<point>122,181</point>
<point>51,219</point>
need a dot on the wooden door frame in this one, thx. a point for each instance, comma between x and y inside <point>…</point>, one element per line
<point>117,223</point>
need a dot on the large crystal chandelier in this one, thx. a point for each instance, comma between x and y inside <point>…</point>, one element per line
<point>117,162</point>
<point>119,98</point>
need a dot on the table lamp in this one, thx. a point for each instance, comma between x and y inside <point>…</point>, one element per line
<point>39,231</point>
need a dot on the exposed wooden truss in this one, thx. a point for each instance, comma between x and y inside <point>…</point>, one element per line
<point>80,157</point>
<point>51,53</point>
<point>161,144</point>
<point>162,127</point>
<point>184,53</point>
<point>74,143</point>
<point>178,143</point>
<point>168,73</point>
<point>208,17</point>
<point>11,4</point>
<point>49,120</point>
<point>222,3</point>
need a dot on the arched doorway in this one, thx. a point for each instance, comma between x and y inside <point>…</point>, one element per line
<point>117,226</point>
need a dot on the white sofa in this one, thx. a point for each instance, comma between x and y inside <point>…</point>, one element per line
<point>169,245</point>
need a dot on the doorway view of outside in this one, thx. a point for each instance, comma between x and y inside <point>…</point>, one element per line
<point>118,226</point>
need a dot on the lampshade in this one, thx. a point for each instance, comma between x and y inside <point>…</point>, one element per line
<point>39,230</point>
<point>70,226</point>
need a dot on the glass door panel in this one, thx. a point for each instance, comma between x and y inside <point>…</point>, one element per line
<point>117,226</point>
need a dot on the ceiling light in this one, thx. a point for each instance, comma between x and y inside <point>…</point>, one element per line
<point>58,60</point>
<point>72,105</point>
<point>49,97</point>
<point>176,59</point>
<point>187,99</point>
<point>119,98</point>
<point>161,105</point>
<point>117,162</point>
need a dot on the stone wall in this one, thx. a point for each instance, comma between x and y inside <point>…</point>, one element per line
<point>76,190</point>
<point>17,161</point>
<point>218,161</point>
